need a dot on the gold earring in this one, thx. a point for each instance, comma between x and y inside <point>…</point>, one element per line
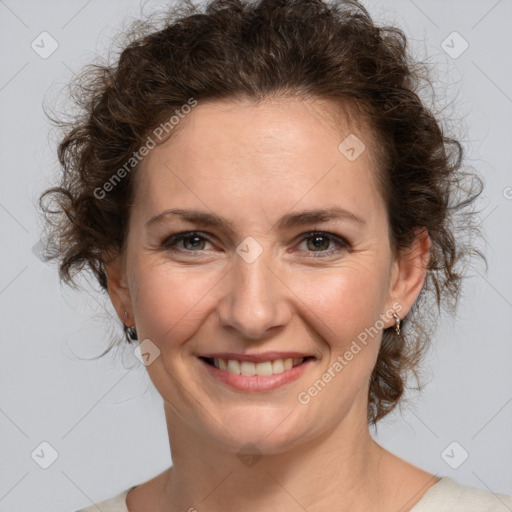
<point>398,321</point>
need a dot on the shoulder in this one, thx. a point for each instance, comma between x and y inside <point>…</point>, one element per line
<point>115,504</point>
<point>449,496</point>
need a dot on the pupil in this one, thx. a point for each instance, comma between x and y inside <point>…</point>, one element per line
<point>318,241</point>
<point>195,241</point>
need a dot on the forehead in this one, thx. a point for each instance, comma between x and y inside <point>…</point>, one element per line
<point>272,151</point>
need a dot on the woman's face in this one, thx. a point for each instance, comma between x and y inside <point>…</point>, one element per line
<point>252,278</point>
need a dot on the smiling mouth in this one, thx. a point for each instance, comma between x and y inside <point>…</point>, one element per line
<point>262,369</point>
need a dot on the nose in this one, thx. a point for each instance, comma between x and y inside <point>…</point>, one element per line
<point>255,301</point>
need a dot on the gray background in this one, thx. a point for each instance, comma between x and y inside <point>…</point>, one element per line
<point>103,417</point>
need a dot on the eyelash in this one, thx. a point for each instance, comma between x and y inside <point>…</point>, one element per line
<point>170,242</point>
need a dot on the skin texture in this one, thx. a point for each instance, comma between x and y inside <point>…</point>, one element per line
<point>251,164</point>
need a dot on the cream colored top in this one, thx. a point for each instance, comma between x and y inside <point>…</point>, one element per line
<point>445,496</point>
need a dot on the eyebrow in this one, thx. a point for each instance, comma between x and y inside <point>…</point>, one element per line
<point>288,221</point>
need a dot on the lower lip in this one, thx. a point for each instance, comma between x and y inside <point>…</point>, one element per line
<point>257,382</point>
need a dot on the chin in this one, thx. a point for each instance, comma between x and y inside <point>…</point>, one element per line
<point>261,430</point>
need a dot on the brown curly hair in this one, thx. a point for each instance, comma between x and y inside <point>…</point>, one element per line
<point>254,50</point>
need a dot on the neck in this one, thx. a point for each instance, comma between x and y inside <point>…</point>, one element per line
<point>338,470</point>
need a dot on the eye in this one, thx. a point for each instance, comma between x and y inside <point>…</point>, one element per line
<point>192,241</point>
<point>318,243</point>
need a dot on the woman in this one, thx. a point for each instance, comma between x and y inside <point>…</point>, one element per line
<point>270,207</point>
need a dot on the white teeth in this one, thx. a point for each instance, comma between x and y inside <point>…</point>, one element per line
<point>233,367</point>
<point>263,369</point>
<point>247,368</point>
<point>277,366</point>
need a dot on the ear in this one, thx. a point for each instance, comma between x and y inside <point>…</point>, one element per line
<point>118,290</point>
<point>409,274</point>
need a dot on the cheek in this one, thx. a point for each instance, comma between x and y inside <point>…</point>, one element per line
<point>344,301</point>
<point>170,302</point>
<point>343,308</point>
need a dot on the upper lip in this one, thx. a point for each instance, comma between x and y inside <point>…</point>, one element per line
<point>255,358</point>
